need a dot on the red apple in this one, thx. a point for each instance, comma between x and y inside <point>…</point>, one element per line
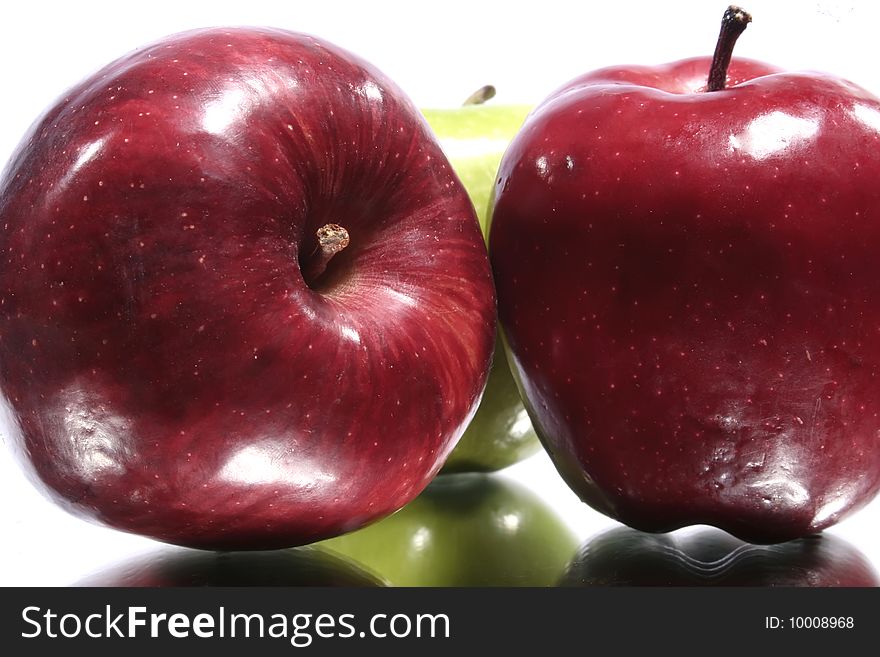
<point>688,282</point>
<point>244,300</point>
<point>710,557</point>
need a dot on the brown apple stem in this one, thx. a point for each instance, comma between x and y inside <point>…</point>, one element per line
<point>480,96</point>
<point>733,24</point>
<point>332,238</point>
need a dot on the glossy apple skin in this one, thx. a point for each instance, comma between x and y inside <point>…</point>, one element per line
<point>688,282</point>
<point>466,529</point>
<point>165,367</point>
<point>171,567</point>
<point>711,557</point>
<point>474,138</point>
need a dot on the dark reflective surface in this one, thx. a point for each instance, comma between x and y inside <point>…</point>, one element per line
<point>305,566</point>
<point>711,557</point>
<point>465,530</point>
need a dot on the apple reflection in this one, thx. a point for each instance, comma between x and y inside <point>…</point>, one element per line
<point>711,557</point>
<point>465,530</point>
<point>180,567</point>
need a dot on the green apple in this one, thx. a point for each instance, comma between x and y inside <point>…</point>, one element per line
<point>474,137</point>
<point>468,529</point>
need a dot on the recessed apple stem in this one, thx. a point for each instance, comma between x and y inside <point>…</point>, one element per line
<point>733,23</point>
<point>480,96</point>
<point>331,238</point>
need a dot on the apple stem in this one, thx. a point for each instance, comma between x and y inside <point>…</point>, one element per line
<point>332,238</point>
<point>480,96</point>
<point>733,23</point>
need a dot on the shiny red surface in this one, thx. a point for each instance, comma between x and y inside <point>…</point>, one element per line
<point>164,366</point>
<point>689,285</point>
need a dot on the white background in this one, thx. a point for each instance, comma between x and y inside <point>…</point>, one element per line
<point>438,52</point>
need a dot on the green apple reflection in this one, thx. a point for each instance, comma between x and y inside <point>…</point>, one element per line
<point>474,138</point>
<point>465,530</point>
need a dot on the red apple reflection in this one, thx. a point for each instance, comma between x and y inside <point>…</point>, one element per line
<point>170,567</point>
<point>710,557</point>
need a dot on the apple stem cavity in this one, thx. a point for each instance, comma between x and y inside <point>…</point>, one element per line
<point>332,238</point>
<point>733,23</point>
<point>480,96</point>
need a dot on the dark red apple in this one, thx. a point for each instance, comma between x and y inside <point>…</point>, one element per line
<point>711,557</point>
<point>688,282</point>
<point>244,300</point>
